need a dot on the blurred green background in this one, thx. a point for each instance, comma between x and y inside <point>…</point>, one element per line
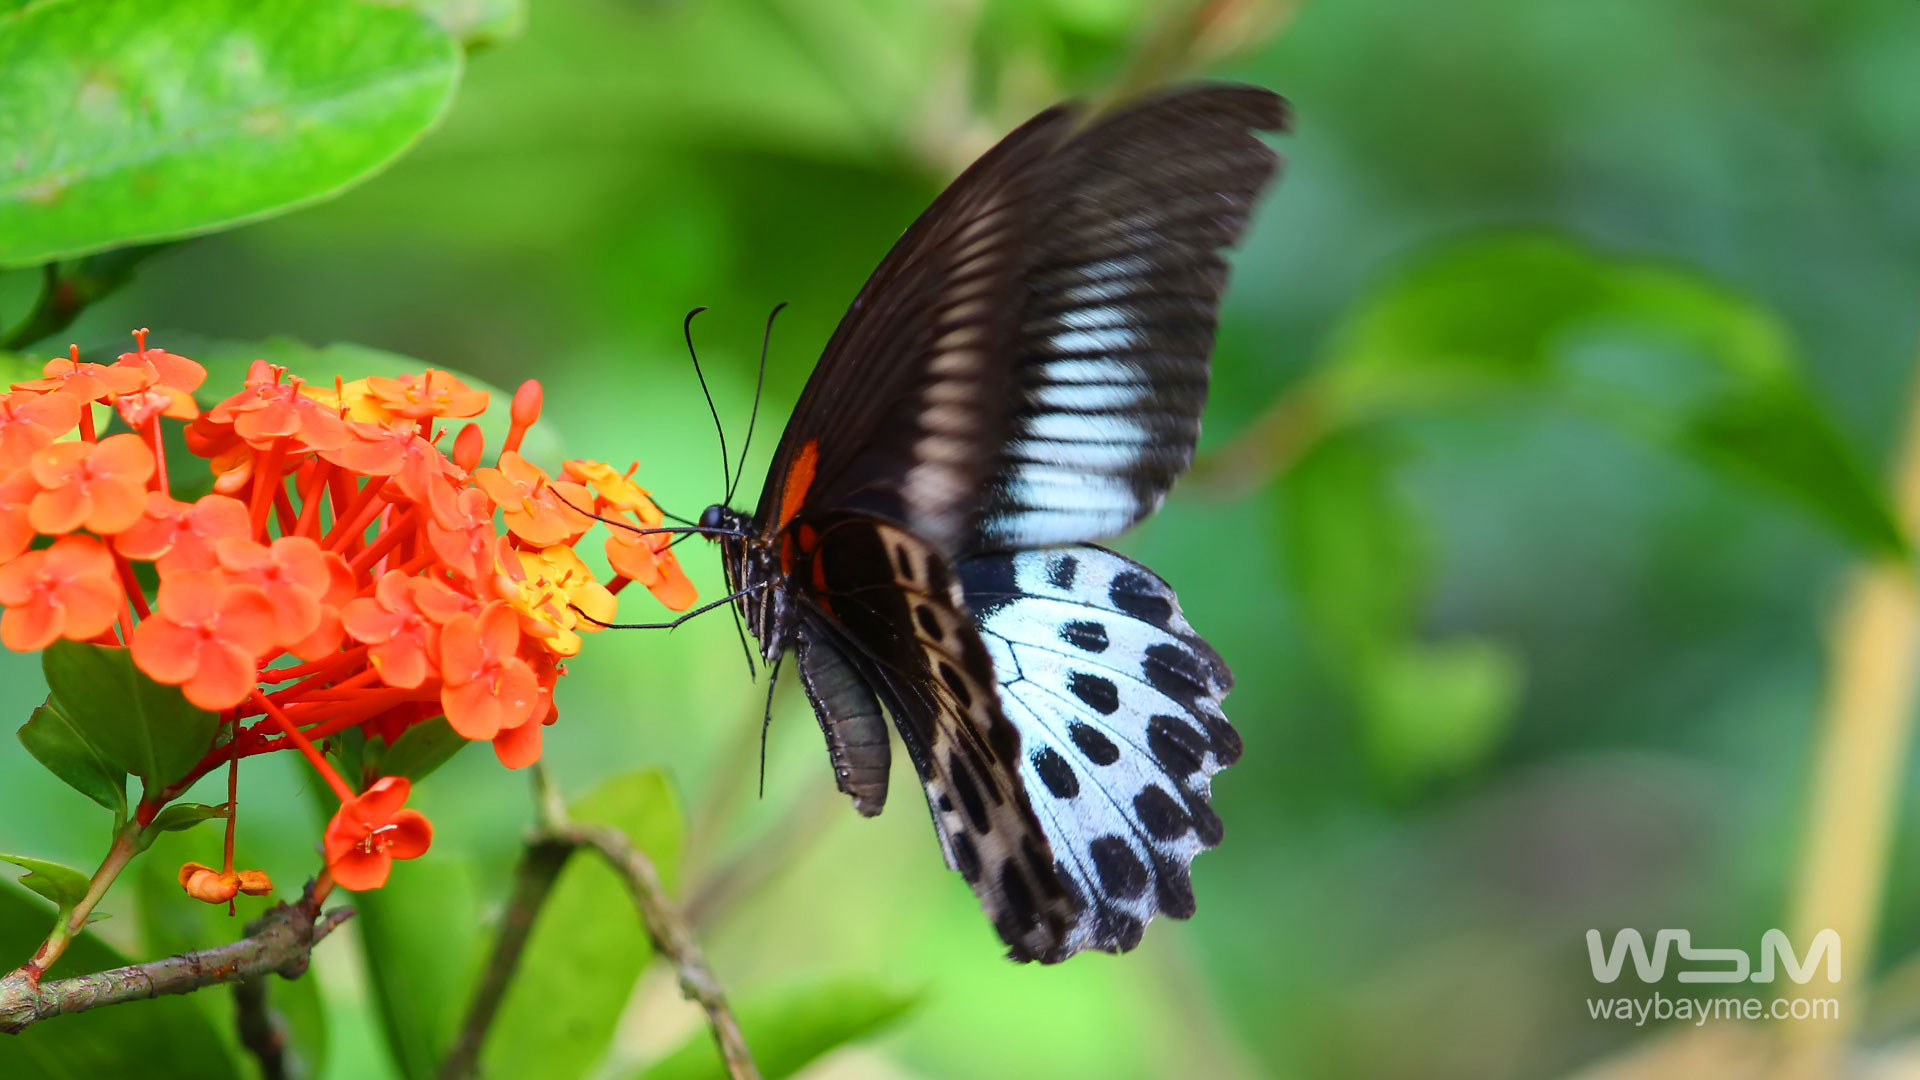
<point>1529,628</point>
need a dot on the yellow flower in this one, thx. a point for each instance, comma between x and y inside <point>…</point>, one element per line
<point>615,490</point>
<point>550,589</point>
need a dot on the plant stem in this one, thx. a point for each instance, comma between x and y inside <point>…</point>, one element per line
<point>539,868</point>
<point>281,941</point>
<point>547,852</point>
<point>126,844</point>
<point>1866,728</point>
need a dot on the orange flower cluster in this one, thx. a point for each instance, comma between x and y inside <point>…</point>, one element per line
<point>342,572</point>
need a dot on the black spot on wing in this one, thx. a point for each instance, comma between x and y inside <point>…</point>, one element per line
<point>1161,814</point>
<point>1206,823</point>
<point>929,624</point>
<point>1061,570</point>
<point>1116,931</point>
<point>1173,889</point>
<point>1176,745</point>
<point>1140,596</point>
<point>1055,773</point>
<point>989,581</point>
<point>966,857</point>
<point>1084,635</point>
<point>1176,672</point>
<point>951,676</point>
<point>1222,737</point>
<point>1121,872</point>
<point>1022,910</point>
<point>1096,746</point>
<point>969,793</point>
<point>1052,884</point>
<point>1097,691</point>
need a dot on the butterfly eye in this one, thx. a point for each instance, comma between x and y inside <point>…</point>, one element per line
<point>713,517</point>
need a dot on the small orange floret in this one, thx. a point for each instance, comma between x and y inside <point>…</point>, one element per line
<point>69,590</point>
<point>169,370</point>
<point>269,410</point>
<point>295,573</point>
<point>434,393</point>
<point>487,687</point>
<point>86,381</point>
<point>371,830</point>
<point>100,486</point>
<point>536,508</point>
<point>180,536</point>
<point>401,622</point>
<point>206,636</point>
<point>16,532</point>
<point>29,421</point>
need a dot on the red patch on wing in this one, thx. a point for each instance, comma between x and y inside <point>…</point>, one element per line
<point>799,479</point>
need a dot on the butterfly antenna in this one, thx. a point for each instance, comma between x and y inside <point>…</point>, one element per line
<point>767,722</point>
<point>686,329</point>
<point>759,383</point>
<point>670,515</point>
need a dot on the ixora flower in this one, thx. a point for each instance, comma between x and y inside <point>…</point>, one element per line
<point>343,574</point>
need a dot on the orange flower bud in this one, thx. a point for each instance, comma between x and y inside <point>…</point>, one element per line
<point>208,885</point>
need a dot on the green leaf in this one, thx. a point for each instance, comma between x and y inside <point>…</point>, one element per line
<point>478,23</point>
<point>789,1030</point>
<point>1542,316</point>
<point>123,121</point>
<point>1437,710</point>
<point>1354,552</point>
<point>182,816</point>
<point>56,742</point>
<point>588,948</point>
<point>421,749</point>
<point>227,362</point>
<point>168,1038</point>
<point>63,885</point>
<point>417,937</point>
<point>145,728</point>
<point>1356,558</point>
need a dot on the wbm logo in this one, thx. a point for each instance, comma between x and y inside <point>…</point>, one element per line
<point>1652,967</point>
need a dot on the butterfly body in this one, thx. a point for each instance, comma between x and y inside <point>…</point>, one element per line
<point>1022,376</point>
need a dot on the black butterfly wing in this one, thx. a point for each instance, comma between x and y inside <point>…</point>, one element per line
<point>891,597</point>
<point>1028,364</point>
<point>1120,281</point>
<point>901,414</point>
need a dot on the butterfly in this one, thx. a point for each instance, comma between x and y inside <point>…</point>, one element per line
<point>1022,376</point>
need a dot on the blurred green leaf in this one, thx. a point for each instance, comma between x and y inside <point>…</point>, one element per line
<point>123,121</point>
<point>1437,709</point>
<point>63,885</point>
<point>1354,551</point>
<point>419,945</point>
<point>1509,315</point>
<point>56,742</point>
<point>588,948</point>
<point>15,367</point>
<point>227,362</point>
<point>478,23</point>
<point>73,285</point>
<point>1357,561</point>
<point>168,1038</point>
<point>145,728</point>
<point>421,749</point>
<point>787,1031</point>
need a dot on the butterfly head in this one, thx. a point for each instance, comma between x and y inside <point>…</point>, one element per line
<point>720,516</point>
